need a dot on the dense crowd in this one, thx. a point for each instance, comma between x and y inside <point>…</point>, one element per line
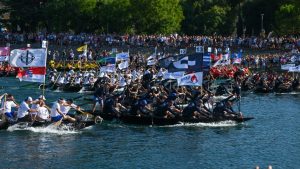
<point>173,40</point>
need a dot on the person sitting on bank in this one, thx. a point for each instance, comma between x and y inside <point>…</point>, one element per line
<point>24,110</point>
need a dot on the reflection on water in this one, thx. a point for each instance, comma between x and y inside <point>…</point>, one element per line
<point>272,138</point>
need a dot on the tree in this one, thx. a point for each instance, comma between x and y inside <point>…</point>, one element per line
<point>288,18</point>
<point>156,16</point>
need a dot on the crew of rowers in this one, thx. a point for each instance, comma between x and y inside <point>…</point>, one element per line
<point>73,78</point>
<point>147,95</point>
<point>271,82</point>
<point>36,110</point>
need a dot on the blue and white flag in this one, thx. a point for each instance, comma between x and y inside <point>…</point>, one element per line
<point>206,61</point>
<point>123,65</point>
<point>109,68</point>
<point>122,56</point>
<point>172,75</point>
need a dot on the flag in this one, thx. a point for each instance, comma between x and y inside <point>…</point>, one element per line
<point>294,69</point>
<point>108,68</point>
<point>82,48</point>
<point>237,58</point>
<point>179,63</point>
<point>287,66</point>
<point>173,75</point>
<point>224,61</point>
<point>122,56</point>
<point>151,60</point>
<point>206,61</point>
<point>123,65</point>
<point>28,58</point>
<point>108,60</point>
<point>32,74</point>
<point>192,79</point>
<point>4,54</point>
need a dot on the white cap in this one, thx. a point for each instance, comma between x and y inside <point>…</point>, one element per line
<point>42,97</point>
<point>29,99</point>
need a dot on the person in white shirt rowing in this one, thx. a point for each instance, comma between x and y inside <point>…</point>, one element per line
<point>43,112</point>
<point>36,105</point>
<point>65,108</point>
<point>59,111</point>
<point>9,103</point>
<point>24,110</point>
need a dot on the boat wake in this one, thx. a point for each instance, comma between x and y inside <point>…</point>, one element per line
<point>49,129</point>
<point>227,123</point>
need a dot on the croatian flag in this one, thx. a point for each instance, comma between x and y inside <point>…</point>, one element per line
<point>192,79</point>
<point>32,74</point>
<point>4,53</point>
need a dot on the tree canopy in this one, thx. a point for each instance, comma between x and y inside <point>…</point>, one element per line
<point>207,17</point>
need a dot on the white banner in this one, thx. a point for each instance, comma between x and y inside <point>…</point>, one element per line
<point>33,78</point>
<point>287,66</point>
<point>294,69</point>
<point>151,62</point>
<point>173,75</point>
<point>193,79</point>
<point>109,68</point>
<point>123,65</point>
<point>3,58</point>
<point>122,56</point>
<point>28,58</point>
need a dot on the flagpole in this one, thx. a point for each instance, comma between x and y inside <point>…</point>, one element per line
<point>46,48</point>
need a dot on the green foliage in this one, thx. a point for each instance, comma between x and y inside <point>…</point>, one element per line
<point>191,17</point>
<point>288,18</point>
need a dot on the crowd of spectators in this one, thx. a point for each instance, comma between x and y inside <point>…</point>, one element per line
<point>173,40</point>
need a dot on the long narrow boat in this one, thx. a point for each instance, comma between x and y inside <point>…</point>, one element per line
<point>83,123</point>
<point>160,121</point>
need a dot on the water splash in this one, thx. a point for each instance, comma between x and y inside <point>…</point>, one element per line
<point>227,123</point>
<point>49,129</point>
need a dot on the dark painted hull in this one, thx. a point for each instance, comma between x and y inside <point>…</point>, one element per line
<point>77,126</point>
<point>160,121</point>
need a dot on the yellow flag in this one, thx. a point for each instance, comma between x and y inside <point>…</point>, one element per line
<point>82,48</point>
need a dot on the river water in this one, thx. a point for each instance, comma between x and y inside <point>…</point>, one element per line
<point>272,138</point>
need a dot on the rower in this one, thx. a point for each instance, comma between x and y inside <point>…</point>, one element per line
<point>65,108</point>
<point>141,108</point>
<point>224,108</point>
<point>43,112</point>
<point>100,96</point>
<point>57,114</point>
<point>35,105</point>
<point>168,109</point>
<point>24,110</point>
<point>8,105</point>
<point>221,90</point>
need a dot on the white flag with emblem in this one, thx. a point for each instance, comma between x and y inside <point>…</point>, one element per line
<point>192,79</point>
<point>28,58</point>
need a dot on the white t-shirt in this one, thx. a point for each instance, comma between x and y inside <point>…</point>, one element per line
<point>65,109</point>
<point>54,108</point>
<point>8,105</point>
<point>43,113</point>
<point>23,110</point>
<point>35,106</point>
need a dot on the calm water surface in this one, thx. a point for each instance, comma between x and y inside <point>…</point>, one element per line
<point>272,138</point>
